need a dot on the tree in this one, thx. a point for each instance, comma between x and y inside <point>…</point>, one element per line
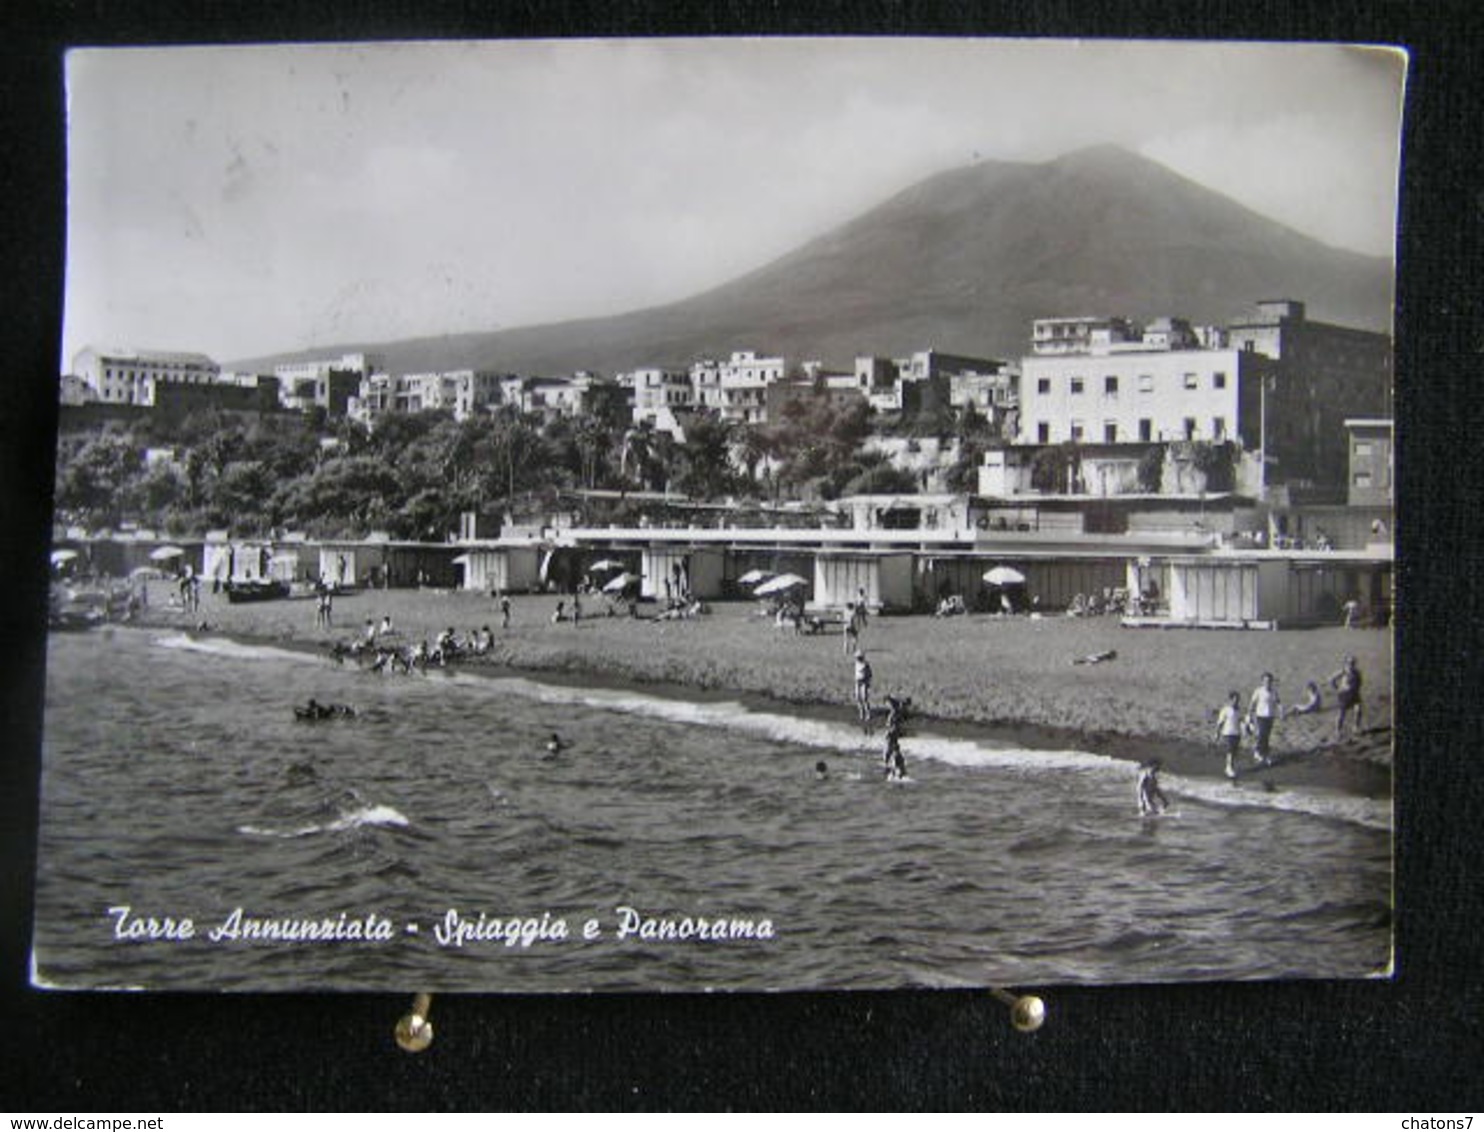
<point>242,496</point>
<point>95,482</point>
<point>344,495</point>
<point>518,457</point>
<point>881,479</point>
<point>705,466</point>
<point>1057,470</point>
<point>594,443</point>
<point>1151,470</point>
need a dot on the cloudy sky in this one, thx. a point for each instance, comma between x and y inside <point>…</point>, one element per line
<point>242,201</point>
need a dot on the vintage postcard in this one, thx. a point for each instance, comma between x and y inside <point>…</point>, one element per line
<point>665,515</point>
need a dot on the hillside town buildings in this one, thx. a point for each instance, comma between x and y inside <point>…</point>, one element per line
<point>1101,407</point>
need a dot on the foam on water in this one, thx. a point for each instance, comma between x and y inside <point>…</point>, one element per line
<point>1314,801</point>
<point>847,738</point>
<point>369,815</point>
<point>965,753</point>
<point>226,647</point>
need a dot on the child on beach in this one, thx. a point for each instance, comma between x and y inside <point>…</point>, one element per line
<point>1313,701</point>
<point>1152,799</point>
<point>1346,683</point>
<point>504,611</point>
<point>1229,730</point>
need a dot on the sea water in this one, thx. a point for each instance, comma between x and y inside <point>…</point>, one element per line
<point>196,835</point>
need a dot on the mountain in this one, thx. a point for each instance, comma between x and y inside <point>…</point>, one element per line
<point>961,262</point>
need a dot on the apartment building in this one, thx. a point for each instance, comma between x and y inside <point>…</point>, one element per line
<point>736,388</point>
<point>1154,395</point>
<point>657,391</point>
<point>1327,373</point>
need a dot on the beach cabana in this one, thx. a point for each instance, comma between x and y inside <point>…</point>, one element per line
<point>885,578</point>
<point>509,569</point>
<point>1222,591</point>
<point>342,563</point>
<point>696,570</point>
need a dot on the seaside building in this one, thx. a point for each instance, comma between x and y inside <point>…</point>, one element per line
<point>1154,394</point>
<point>326,383</point>
<point>1325,374</point>
<point>1079,334</point>
<point>1275,384</point>
<point>132,377</point>
<point>1372,469</point>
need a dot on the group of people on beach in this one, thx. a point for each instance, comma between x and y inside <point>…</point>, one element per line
<point>382,649</point>
<point>1265,709</point>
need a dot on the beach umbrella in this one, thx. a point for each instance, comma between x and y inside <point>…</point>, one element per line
<point>145,574</point>
<point>620,583</point>
<point>161,553</point>
<point>604,565</point>
<point>60,556</point>
<point>459,560</point>
<point>781,584</point>
<point>1004,576</point>
<point>753,577</point>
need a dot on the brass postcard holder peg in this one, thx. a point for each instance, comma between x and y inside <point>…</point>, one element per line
<point>414,1031</point>
<point>1027,1012</point>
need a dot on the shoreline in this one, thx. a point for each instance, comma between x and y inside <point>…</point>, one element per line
<point>698,660</point>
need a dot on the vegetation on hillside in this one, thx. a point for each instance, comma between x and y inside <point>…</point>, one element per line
<point>414,474</point>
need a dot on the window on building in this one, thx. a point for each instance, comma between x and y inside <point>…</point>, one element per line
<point>1110,432</point>
<point>1110,386</point>
<point>1146,429</point>
<point>1218,381</point>
<point>1077,430</point>
<point>1043,385</point>
<point>1189,428</point>
<point>1362,479</point>
<point>1146,383</point>
<point>1076,385</point>
<point>1043,432</point>
<point>1362,448</point>
<point>1218,428</point>
<point>1190,381</point>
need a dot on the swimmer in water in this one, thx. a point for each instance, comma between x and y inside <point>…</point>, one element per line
<point>556,744</point>
<point>821,770</point>
<point>1152,799</point>
<point>896,723</point>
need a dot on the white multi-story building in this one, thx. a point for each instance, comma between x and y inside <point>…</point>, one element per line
<point>657,390</point>
<point>129,377</point>
<point>1080,333</point>
<point>1145,396</point>
<point>329,383</point>
<point>737,387</point>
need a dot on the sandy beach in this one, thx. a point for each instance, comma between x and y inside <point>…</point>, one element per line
<point>1012,678</point>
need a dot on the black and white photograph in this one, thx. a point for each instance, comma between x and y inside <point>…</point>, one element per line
<point>673,515</point>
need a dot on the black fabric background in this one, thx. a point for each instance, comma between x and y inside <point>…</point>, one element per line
<point>1412,1044</point>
